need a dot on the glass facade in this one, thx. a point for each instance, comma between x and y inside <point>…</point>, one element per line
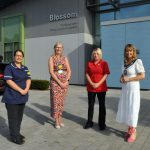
<point>12,36</point>
<point>125,13</point>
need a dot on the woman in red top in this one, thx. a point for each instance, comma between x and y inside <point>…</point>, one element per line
<point>96,73</point>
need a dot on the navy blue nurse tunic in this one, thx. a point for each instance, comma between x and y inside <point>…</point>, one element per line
<point>19,76</point>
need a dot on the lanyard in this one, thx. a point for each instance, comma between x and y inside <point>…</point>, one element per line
<point>127,66</point>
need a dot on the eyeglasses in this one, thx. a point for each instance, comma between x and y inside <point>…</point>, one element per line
<point>58,47</point>
<point>18,56</point>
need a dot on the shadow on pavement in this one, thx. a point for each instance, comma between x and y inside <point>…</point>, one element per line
<point>111,104</point>
<point>4,131</point>
<point>35,115</point>
<point>144,114</point>
<point>110,130</point>
<point>79,120</point>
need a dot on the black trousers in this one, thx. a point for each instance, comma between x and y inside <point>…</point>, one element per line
<point>15,115</point>
<point>102,108</point>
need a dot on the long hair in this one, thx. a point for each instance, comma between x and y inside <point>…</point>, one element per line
<point>131,47</point>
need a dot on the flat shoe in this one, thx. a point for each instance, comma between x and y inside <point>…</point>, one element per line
<point>57,126</point>
<point>22,137</point>
<point>18,141</point>
<point>88,125</point>
<point>62,125</point>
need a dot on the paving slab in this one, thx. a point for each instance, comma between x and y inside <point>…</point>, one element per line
<point>38,126</point>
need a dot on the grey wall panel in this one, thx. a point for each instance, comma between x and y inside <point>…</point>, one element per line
<point>37,17</point>
<point>85,48</point>
<point>113,41</point>
<point>41,34</point>
<point>139,34</point>
<point>38,51</point>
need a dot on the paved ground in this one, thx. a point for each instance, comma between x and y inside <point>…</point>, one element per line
<point>40,134</point>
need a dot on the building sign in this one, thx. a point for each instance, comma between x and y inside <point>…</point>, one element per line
<point>54,17</point>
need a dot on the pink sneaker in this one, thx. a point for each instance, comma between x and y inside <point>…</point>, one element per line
<point>127,134</point>
<point>132,136</point>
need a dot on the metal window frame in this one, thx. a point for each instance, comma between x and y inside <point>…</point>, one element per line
<point>115,4</point>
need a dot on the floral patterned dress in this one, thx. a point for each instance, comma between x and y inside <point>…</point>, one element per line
<point>57,94</point>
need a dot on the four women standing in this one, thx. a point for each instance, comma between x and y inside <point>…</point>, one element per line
<point>18,81</point>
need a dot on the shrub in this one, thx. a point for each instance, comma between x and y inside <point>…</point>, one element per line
<point>39,84</point>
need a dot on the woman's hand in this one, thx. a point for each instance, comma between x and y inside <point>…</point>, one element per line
<point>23,92</point>
<point>124,79</point>
<point>121,79</point>
<point>95,85</point>
<point>63,85</point>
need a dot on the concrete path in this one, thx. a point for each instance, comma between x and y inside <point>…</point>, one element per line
<point>37,126</point>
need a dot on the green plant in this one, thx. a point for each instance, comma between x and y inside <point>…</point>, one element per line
<point>39,84</point>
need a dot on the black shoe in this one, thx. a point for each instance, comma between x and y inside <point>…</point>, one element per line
<point>88,125</point>
<point>22,137</point>
<point>17,141</point>
<point>102,127</point>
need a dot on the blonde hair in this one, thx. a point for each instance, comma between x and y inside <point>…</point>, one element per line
<point>130,47</point>
<point>99,51</point>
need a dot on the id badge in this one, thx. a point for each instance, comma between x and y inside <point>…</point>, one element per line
<point>125,72</point>
<point>60,71</point>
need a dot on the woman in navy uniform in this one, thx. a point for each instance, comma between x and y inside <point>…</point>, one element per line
<point>15,96</point>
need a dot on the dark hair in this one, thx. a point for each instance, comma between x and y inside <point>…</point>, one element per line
<point>1,58</point>
<point>18,50</point>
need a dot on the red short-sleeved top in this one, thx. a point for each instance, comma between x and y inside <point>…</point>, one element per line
<point>96,72</point>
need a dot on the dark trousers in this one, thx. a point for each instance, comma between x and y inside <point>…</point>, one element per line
<point>15,115</point>
<point>102,108</point>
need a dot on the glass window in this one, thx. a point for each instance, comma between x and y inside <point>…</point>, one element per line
<point>12,36</point>
<point>11,29</point>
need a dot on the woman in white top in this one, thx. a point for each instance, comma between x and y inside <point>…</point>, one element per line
<point>129,104</point>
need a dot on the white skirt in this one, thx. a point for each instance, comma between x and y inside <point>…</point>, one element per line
<point>129,104</point>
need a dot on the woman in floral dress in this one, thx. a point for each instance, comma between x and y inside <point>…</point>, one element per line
<point>60,72</point>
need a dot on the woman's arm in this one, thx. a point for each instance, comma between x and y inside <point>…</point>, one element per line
<point>122,79</point>
<point>14,86</point>
<point>51,71</point>
<point>139,76</point>
<point>103,79</point>
<point>89,79</point>
<point>96,85</point>
<point>68,69</point>
<point>28,83</point>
